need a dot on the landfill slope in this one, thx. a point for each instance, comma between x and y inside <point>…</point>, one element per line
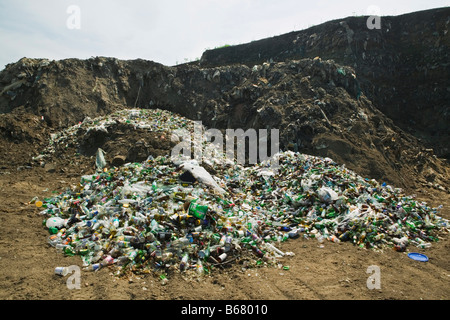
<point>317,106</point>
<point>403,66</point>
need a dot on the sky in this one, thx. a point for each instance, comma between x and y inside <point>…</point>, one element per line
<point>168,32</point>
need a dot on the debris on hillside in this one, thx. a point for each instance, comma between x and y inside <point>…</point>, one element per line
<point>317,104</point>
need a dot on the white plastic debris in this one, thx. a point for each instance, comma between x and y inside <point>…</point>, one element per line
<point>100,161</point>
<point>200,173</point>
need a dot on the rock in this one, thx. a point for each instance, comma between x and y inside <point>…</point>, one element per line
<point>50,168</point>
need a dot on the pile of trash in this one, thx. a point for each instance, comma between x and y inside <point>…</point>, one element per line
<point>167,215</point>
<point>150,120</point>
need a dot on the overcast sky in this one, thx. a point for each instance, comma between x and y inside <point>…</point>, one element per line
<point>168,32</point>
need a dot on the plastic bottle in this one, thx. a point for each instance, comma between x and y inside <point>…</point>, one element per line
<point>167,257</point>
<point>132,254</point>
<point>60,247</point>
<point>55,222</point>
<point>199,267</point>
<point>123,244</point>
<point>87,260</point>
<point>96,257</point>
<point>184,262</point>
<point>424,245</point>
<point>69,251</point>
<point>402,241</point>
<point>164,279</point>
<point>93,267</point>
<point>362,237</point>
<point>180,243</point>
<point>272,248</point>
<point>335,239</point>
<point>320,237</point>
<point>122,260</point>
<point>54,240</point>
<point>257,251</point>
<point>222,240</point>
<point>294,233</point>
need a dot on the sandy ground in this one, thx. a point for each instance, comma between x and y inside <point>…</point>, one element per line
<point>332,272</point>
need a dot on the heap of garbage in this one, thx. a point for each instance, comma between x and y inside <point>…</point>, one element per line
<point>168,215</point>
<point>150,120</point>
<point>173,213</point>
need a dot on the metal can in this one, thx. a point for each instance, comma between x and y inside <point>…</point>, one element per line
<point>61,271</point>
<point>228,243</point>
<point>239,233</point>
<point>222,257</point>
<point>96,266</point>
